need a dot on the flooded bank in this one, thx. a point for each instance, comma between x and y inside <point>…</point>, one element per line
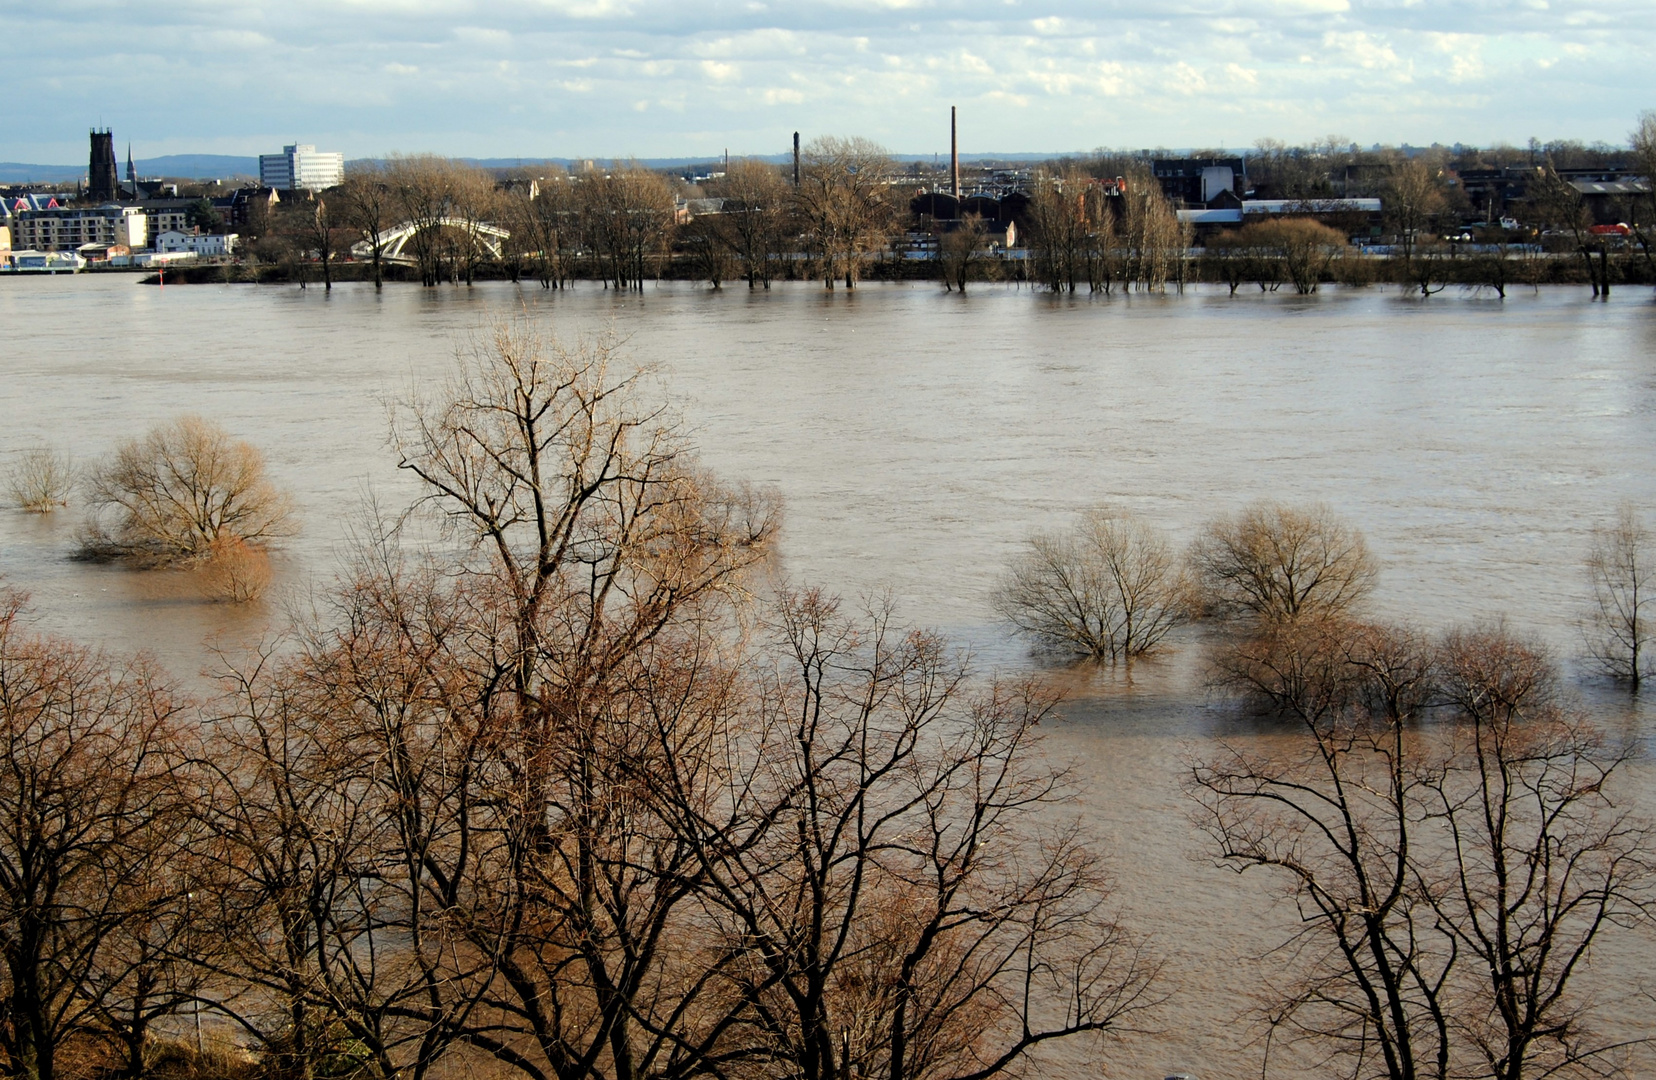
<point>915,439</point>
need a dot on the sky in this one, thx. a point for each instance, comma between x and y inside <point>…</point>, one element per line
<point>670,78</point>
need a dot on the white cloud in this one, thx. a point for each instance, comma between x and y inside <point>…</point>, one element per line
<point>596,77</point>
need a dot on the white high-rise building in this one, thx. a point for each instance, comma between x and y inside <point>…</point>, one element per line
<point>301,166</point>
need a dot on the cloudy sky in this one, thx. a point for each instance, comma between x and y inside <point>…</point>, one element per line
<point>658,78</point>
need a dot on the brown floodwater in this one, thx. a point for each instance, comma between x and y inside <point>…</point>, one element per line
<point>916,437</point>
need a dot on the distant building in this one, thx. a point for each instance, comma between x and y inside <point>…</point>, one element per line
<point>301,167</point>
<point>65,229</point>
<point>207,245</point>
<point>1610,200</point>
<point>240,207</point>
<point>102,174</point>
<point>104,253</point>
<point>42,262</point>
<point>1198,181</point>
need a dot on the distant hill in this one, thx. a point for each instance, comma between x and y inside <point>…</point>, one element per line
<point>184,166</point>
<point>197,166</point>
<point>226,166</point>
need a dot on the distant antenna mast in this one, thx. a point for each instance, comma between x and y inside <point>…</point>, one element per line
<point>796,159</point>
<point>954,156</point>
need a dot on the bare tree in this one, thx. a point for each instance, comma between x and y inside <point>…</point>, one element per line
<point>628,214</point>
<point>844,202</point>
<point>602,561</point>
<point>545,219</point>
<point>1280,562</point>
<point>88,757</point>
<point>1148,232</point>
<point>1642,141</point>
<point>704,239</point>
<point>180,488</point>
<point>41,480</point>
<point>369,207</point>
<point>1454,877</point>
<point>1414,199</point>
<point>1071,230</point>
<point>1557,204</point>
<point>325,231</point>
<point>445,202</point>
<point>1305,249</point>
<point>960,250</point>
<point>1542,865</point>
<point>754,218</point>
<point>1621,570</point>
<point>1109,588</point>
<point>1332,815</point>
<point>323,867</point>
<point>891,904</point>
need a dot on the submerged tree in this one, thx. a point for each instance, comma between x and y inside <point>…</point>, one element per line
<point>753,222</point>
<point>1453,878</point>
<point>1110,588</point>
<point>182,487</point>
<point>1279,563</point>
<point>40,481</point>
<point>1541,866</point>
<point>1621,570</point>
<point>844,203</point>
<point>1332,813</point>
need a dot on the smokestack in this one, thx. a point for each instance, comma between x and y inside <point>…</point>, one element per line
<point>954,156</point>
<point>796,159</point>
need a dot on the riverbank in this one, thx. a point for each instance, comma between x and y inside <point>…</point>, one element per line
<point>1422,275</point>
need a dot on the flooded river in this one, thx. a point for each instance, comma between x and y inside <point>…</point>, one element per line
<point>916,438</point>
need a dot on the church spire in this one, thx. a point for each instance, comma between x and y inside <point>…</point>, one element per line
<point>132,173</point>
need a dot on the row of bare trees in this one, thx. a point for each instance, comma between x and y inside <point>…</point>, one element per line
<point>1456,836</point>
<point>574,800</point>
<point>621,222</point>
<point>1105,232</point>
<point>1112,587</point>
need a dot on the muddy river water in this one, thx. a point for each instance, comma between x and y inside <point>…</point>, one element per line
<point>916,438</point>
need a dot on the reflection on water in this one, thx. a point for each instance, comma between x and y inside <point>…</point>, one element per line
<point>916,437</point>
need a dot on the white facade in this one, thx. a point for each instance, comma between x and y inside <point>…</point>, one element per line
<point>65,230</point>
<point>208,245</point>
<point>41,262</point>
<point>301,166</point>
<point>157,258</point>
<point>1217,178</point>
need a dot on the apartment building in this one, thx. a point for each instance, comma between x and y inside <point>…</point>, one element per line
<point>65,229</point>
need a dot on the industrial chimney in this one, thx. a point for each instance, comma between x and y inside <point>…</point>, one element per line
<point>954,157</point>
<point>796,159</point>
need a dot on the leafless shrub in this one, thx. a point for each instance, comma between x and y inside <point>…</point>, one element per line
<point>1621,569</point>
<point>41,480</point>
<point>235,571</point>
<point>1280,562</point>
<point>1109,588</point>
<point>180,488</point>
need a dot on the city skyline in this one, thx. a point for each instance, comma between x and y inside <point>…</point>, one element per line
<point>619,78</point>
